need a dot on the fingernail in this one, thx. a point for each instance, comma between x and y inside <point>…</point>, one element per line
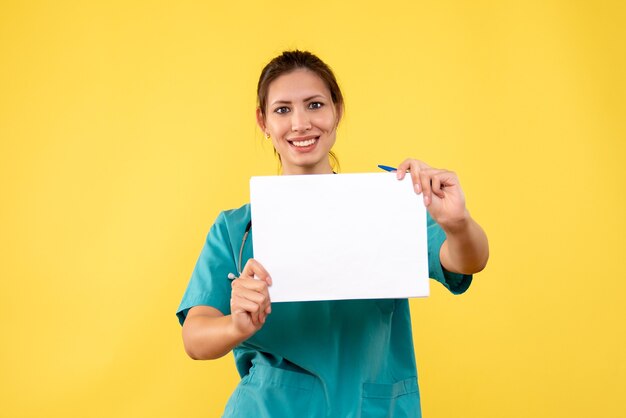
<point>417,188</point>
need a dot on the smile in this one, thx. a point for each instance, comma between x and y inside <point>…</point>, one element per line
<point>304,144</point>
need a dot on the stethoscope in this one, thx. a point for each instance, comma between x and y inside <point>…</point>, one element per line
<point>231,276</point>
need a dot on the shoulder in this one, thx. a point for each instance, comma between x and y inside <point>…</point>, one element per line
<point>235,218</point>
<point>233,222</point>
<point>241,213</point>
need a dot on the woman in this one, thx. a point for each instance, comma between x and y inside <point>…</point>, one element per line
<point>331,358</point>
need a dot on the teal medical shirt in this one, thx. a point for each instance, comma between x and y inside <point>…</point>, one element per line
<point>348,358</point>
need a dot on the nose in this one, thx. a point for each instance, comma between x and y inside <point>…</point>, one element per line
<point>300,121</point>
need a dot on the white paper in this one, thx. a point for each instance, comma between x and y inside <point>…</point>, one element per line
<point>340,236</point>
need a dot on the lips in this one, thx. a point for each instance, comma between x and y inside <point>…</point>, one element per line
<point>303,143</point>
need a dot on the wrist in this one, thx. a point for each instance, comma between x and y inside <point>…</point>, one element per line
<point>458,226</point>
<point>236,334</point>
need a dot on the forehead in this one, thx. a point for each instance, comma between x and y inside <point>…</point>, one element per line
<point>297,85</point>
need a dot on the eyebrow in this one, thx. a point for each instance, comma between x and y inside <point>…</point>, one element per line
<point>305,100</point>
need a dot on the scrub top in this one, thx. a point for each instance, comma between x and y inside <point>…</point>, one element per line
<point>346,358</point>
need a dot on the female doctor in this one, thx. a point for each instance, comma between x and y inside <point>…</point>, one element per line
<point>350,358</point>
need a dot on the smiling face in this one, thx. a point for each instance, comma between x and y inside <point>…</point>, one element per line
<point>301,119</point>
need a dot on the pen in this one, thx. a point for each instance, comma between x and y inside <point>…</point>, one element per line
<point>386,167</point>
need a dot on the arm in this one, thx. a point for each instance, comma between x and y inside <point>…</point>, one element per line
<point>209,334</point>
<point>465,249</point>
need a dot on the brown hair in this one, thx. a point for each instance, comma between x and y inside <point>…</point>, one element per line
<point>290,61</point>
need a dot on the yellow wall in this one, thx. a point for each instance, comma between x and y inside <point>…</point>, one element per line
<point>125,129</point>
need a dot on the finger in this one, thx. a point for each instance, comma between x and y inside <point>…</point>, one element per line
<point>437,187</point>
<point>265,311</point>
<point>425,183</point>
<point>449,178</point>
<point>254,269</point>
<point>402,168</point>
<point>262,298</point>
<point>246,306</point>
<point>430,173</point>
<point>410,164</point>
<point>415,175</point>
<point>254,290</point>
<point>420,164</point>
<point>267,308</point>
<point>252,295</point>
<point>249,307</point>
<point>249,283</point>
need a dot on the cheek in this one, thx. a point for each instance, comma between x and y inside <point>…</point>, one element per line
<point>277,128</point>
<point>327,122</point>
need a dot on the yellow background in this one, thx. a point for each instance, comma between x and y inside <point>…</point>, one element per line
<point>126,128</point>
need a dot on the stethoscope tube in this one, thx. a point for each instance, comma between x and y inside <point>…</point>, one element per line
<point>231,276</point>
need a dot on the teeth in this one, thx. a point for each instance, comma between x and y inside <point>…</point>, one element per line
<point>304,143</point>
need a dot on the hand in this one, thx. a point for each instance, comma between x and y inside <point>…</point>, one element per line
<point>250,300</point>
<point>443,196</point>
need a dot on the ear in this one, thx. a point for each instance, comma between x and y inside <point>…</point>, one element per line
<point>260,119</point>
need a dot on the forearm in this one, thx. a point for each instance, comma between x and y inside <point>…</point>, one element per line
<point>210,337</point>
<point>465,249</point>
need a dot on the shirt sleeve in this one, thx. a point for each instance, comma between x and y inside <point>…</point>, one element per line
<point>209,284</point>
<point>455,282</point>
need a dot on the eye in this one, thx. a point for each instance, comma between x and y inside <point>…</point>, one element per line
<point>315,105</point>
<point>281,110</point>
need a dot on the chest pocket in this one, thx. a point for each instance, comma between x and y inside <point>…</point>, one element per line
<point>271,392</point>
<point>397,400</point>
